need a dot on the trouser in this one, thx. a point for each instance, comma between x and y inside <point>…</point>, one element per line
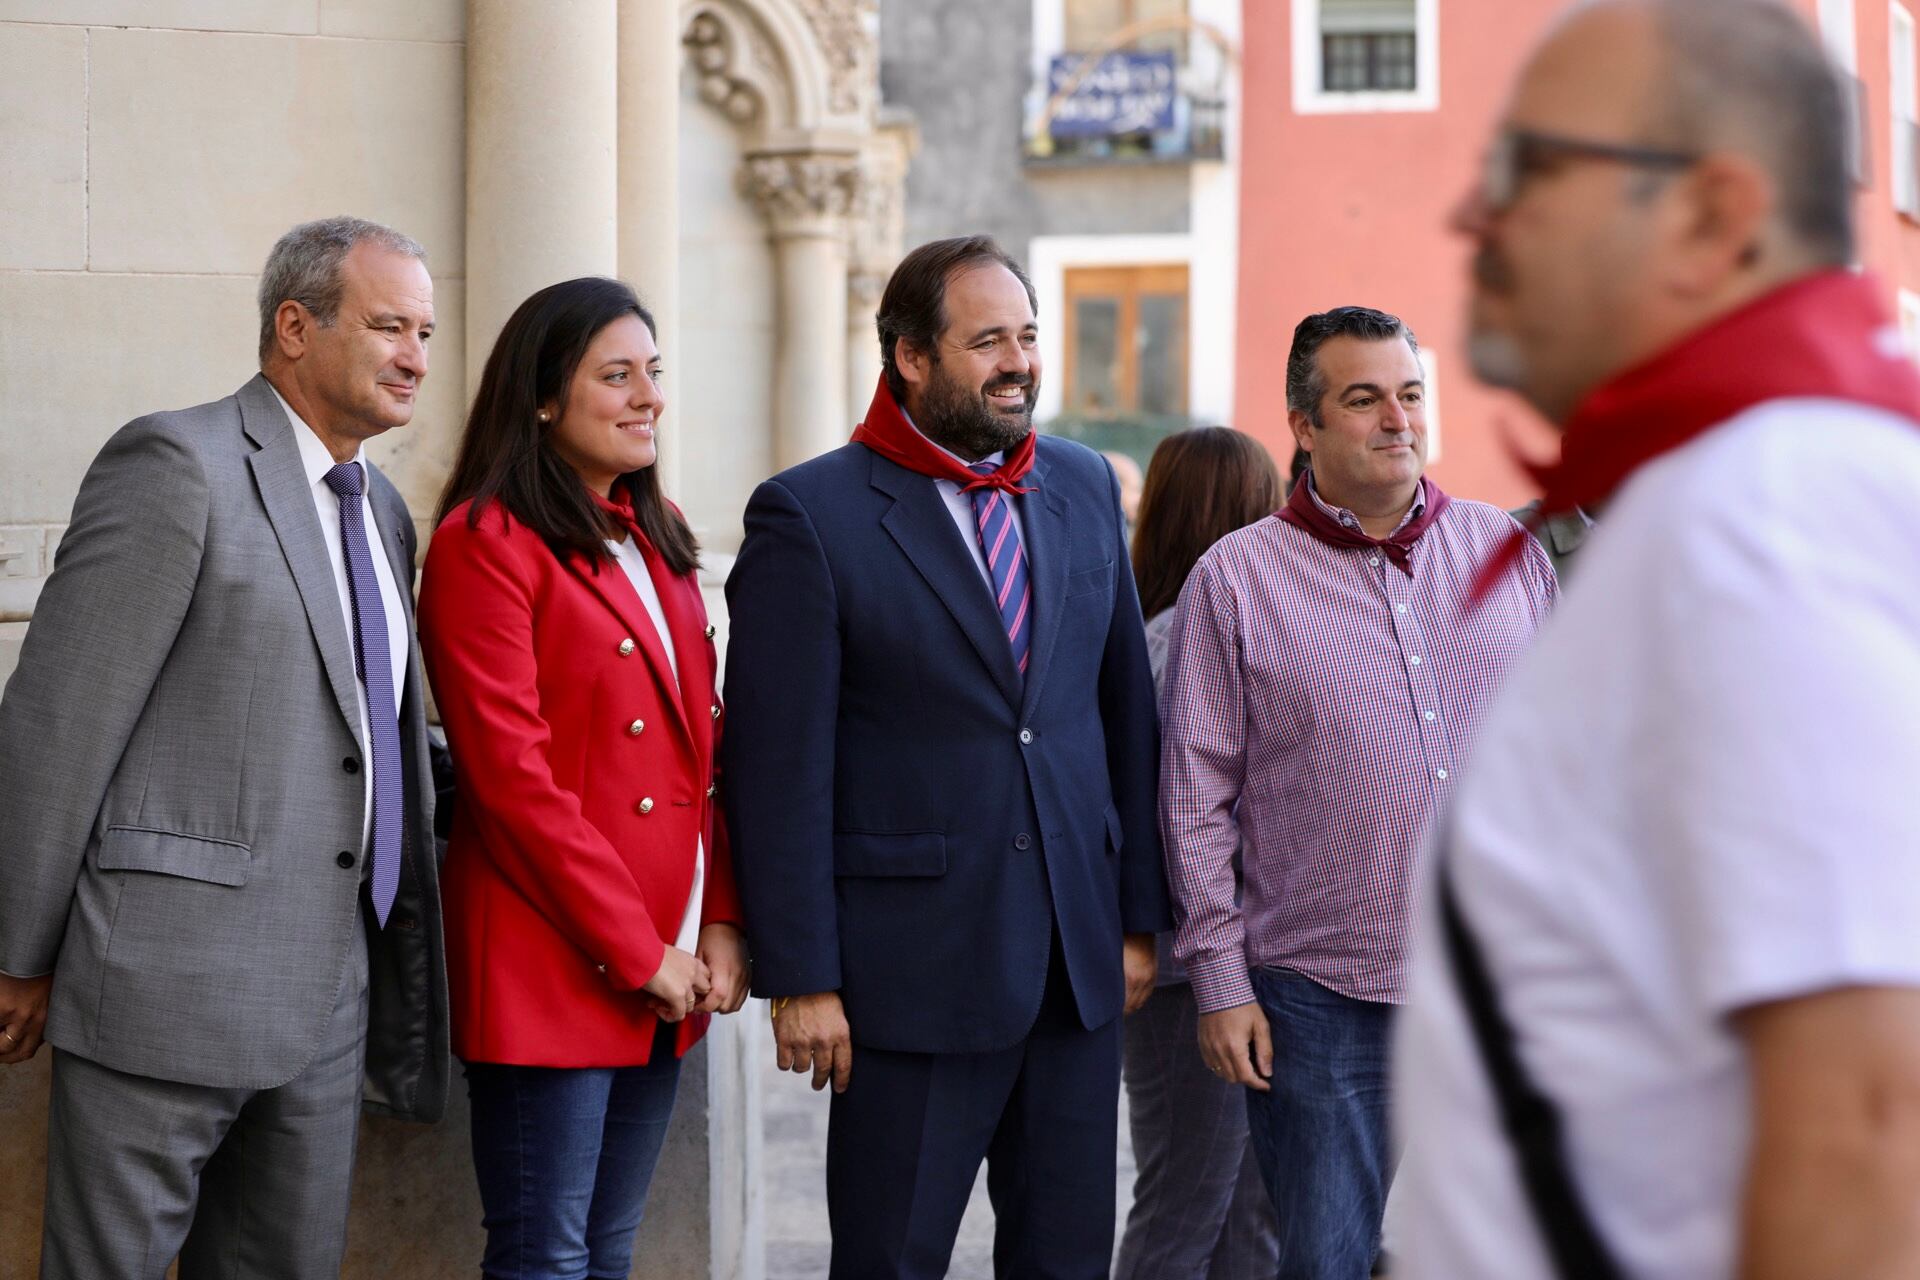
<point>906,1139</point>
<point>1200,1210</point>
<point>564,1156</point>
<point>1321,1133</point>
<point>241,1184</point>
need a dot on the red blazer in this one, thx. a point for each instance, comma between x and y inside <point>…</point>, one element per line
<point>586,780</point>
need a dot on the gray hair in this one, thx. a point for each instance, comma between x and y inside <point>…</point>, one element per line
<point>306,266</point>
<point>1306,385</point>
<point>1750,76</point>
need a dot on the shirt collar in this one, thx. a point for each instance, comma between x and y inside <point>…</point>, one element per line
<point>997,457</point>
<point>315,460</point>
<point>1352,521</point>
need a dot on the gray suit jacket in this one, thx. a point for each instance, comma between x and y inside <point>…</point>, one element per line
<point>179,774</point>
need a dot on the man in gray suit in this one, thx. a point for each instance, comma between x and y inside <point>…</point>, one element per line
<point>218,891</point>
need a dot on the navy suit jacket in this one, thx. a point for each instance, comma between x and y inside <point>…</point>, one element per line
<point>910,819</point>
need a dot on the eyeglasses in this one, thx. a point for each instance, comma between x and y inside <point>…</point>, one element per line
<point>1518,154</point>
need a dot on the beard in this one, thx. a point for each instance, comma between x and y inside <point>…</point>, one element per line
<point>963,421</point>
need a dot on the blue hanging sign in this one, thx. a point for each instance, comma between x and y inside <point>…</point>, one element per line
<point>1123,93</point>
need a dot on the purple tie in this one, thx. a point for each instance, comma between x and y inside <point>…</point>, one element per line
<point>373,659</point>
<point>1006,565</point>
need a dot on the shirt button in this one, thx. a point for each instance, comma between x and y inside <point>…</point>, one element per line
<point>1440,774</point>
<point>626,647</point>
<point>1429,715</point>
<point>1023,841</point>
<point>636,728</point>
<point>1414,660</point>
<point>645,805</point>
<point>1374,561</point>
<point>1399,608</point>
<point>345,859</point>
<point>1026,737</point>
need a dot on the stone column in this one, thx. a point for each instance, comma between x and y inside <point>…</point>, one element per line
<point>542,124</point>
<point>806,197</point>
<point>649,197</point>
<point>864,288</point>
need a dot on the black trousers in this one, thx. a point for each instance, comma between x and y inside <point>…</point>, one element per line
<point>906,1139</point>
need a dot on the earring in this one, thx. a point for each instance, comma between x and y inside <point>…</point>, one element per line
<point>544,417</point>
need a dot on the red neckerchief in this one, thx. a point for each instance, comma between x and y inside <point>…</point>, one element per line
<point>1824,336</point>
<point>888,433</point>
<point>620,508</point>
<point>1303,512</point>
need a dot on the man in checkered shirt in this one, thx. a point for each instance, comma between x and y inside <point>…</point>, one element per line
<point>1321,688</point>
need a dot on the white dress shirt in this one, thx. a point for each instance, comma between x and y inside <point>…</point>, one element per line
<point>630,559</point>
<point>317,461</point>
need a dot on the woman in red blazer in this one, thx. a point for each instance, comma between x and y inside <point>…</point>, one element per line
<point>592,922</point>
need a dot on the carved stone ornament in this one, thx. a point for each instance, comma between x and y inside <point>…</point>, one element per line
<point>802,187</point>
<point>845,31</point>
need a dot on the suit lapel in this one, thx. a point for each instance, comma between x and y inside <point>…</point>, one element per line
<point>617,593</point>
<point>921,524</point>
<point>1043,513</point>
<point>285,494</point>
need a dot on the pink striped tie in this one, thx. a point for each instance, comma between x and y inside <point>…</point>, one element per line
<point>1006,566</point>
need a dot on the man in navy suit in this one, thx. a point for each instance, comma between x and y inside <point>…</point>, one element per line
<point>940,778</point>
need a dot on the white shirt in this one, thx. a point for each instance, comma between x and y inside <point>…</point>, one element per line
<point>1695,794</point>
<point>317,462</point>
<point>628,555</point>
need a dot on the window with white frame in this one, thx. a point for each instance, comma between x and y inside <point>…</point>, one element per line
<point>1366,55</point>
<point>1904,94</point>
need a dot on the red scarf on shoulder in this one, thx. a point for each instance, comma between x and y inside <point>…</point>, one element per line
<point>887,432</point>
<point>1303,512</point>
<point>1826,336</point>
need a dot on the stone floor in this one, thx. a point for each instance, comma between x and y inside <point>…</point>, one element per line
<point>796,1196</point>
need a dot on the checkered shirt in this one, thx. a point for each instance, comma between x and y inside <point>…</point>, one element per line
<point>1317,705</point>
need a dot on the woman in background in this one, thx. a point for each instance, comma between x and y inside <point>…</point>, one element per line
<point>1200,1210</point>
<point>592,923</point>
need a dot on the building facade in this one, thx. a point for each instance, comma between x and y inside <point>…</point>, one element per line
<point>1127,227</point>
<point>1364,123</point>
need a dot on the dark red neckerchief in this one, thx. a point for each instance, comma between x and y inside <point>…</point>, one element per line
<point>1825,336</point>
<point>1303,512</point>
<point>620,508</point>
<point>888,433</point>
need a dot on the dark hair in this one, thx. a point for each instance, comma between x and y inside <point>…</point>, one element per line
<point>1305,383</point>
<point>1754,77</point>
<point>914,307</point>
<point>507,455</point>
<point>1201,485</point>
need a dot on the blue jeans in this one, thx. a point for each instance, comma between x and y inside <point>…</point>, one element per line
<point>1321,1134</point>
<point>564,1156</point>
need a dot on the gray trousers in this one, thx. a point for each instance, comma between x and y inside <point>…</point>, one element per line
<point>239,1183</point>
<point>1200,1210</point>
